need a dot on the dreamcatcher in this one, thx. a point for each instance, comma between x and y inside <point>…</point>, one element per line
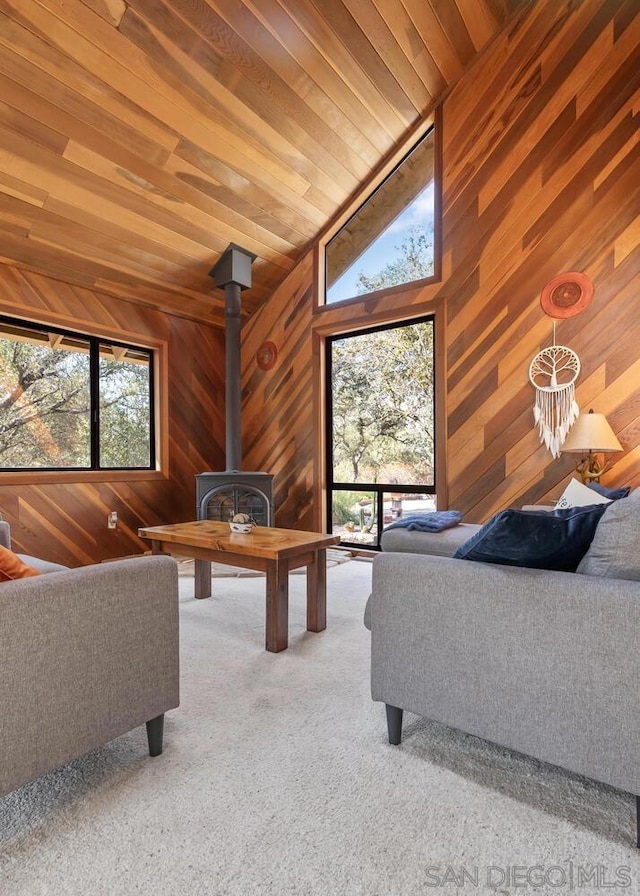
<point>554,370</point>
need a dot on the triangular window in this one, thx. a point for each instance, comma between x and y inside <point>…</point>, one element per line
<point>390,239</point>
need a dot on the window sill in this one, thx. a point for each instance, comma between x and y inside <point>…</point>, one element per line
<point>52,477</point>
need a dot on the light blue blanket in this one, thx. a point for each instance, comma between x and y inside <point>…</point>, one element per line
<point>435,521</point>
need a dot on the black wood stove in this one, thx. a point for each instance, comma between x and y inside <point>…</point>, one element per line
<point>219,496</point>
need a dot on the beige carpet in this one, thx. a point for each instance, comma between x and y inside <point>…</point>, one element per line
<point>277,779</point>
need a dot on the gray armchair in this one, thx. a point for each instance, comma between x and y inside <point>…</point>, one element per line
<point>541,662</point>
<point>87,654</point>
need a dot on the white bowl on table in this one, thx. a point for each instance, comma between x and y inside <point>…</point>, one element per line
<point>242,528</point>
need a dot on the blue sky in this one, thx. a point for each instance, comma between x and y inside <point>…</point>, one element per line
<point>385,248</point>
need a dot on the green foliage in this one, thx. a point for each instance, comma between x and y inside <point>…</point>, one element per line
<point>414,262</point>
<point>383,406</point>
<point>383,387</point>
<point>369,516</point>
<point>45,408</point>
<point>341,507</point>
<point>124,414</point>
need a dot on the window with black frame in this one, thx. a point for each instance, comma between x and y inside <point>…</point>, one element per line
<point>380,429</point>
<point>70,401</point>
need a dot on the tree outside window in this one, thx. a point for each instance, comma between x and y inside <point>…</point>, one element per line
<point>382,428</point>
<point>69,401</point>
<point>390,239</point>
<point>125,435</point>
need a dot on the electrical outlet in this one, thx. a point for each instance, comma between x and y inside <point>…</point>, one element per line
<point>112,520</point>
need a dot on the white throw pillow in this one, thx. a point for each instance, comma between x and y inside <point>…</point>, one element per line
<point>576,494</point>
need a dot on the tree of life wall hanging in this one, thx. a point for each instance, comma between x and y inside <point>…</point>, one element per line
<point>554,370</point>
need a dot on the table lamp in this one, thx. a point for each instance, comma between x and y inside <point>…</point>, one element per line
<point>591,435</point>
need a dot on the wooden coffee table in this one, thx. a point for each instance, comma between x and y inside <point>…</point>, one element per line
<point>270,550</point>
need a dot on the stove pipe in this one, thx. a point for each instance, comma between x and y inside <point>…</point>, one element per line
<point>233,273</point>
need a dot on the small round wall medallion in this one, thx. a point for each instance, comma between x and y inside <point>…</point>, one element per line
<point>566,295</point>
<point>266,355</point>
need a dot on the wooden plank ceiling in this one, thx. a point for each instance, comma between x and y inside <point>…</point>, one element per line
<point>138,138</point>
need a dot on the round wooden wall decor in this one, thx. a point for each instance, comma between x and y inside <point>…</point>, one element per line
<point>566,295</point>
<point>266,355</point>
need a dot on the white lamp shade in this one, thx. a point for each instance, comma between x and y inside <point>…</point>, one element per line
<point>591,432</point>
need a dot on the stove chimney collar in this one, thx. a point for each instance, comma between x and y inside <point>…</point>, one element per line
<point>233,266</point>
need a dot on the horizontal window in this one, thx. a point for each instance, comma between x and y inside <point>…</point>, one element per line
<point>359,517</point>
<point>69,401</point>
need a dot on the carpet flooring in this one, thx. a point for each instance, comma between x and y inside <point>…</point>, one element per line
<point>277,779</point>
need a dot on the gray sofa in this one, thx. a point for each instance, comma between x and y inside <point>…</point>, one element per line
<point>439,544</point>
<point>87,654</point>
<point>545,663</point>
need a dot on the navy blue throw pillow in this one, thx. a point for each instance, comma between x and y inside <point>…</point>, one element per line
<point>614,494</point>
<point>541,540</point>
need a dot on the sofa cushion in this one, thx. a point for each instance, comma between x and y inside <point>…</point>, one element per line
<point>41,565</point>
<point>13,567</point>
<point>614,494</point>
<point>442,544</point>
<point>538,507</point>
<point>614,550</point>
<point>367,613</point>
<point>5,533</point>
<point>556,540</point>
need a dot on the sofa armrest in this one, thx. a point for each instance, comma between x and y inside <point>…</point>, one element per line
<point>5,534</point>
<point>542,662</point>
<point>87,654</point>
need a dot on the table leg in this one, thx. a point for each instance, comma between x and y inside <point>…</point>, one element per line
<point>317,592</point>
<point>203,579</point>
<point>277,623</point>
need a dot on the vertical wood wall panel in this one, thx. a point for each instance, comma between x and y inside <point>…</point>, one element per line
<point>67,522</point>
<point>541,163</point>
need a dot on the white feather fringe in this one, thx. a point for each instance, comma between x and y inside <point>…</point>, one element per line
<point>555,413</point>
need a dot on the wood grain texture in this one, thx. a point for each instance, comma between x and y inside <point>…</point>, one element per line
<point>264,542</point>
<point>139,138</point>
<point>63,517</point>
<point>273,551</point>
<point>541,156</point>
<point>541,174</point>
<point>278,413</point>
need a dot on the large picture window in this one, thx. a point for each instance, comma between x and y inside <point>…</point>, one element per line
<point>381,429</point>
<point>391,239</point>
<point>69,401</point>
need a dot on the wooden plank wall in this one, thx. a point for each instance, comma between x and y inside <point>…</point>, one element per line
<point>279,427</point>
<point>541,175</point>
<point>66,521</point>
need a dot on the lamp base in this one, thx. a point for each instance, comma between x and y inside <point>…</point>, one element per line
<point>590,468</point>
